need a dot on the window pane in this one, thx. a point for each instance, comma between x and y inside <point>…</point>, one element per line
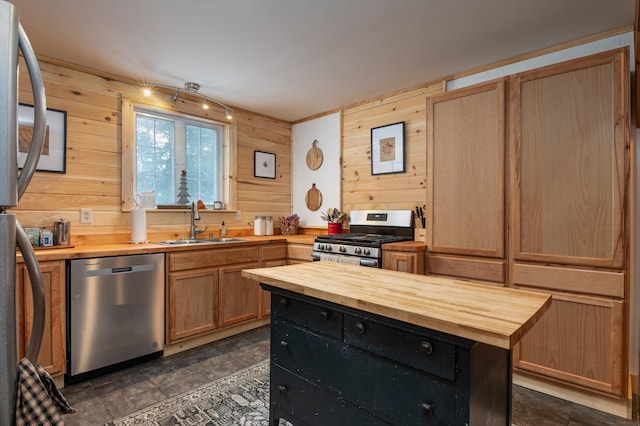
<point>203,172</point>
<point>167,144</point>
<point>154,157</point>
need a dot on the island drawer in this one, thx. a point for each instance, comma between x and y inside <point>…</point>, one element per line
<point>418,350</point>
<point>292,395</point>
<point>394,391</point>
<point>316,317</point>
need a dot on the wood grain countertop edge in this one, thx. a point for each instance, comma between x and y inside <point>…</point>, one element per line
<point>462,308</point>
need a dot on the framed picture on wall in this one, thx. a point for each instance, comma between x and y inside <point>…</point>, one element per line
<point>387,149</point>
<point>264,164</point>
<point>54,151</point>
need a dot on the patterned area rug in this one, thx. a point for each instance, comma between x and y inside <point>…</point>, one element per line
<point>241,398</point>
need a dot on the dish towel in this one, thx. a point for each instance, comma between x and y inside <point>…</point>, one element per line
<point>38,399</point>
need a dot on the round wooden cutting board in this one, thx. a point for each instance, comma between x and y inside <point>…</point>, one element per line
<point>314,157</point>
<point>313,199</point>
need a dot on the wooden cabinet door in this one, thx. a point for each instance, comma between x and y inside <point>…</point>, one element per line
<point>265,296</point>
<point>403,261</point>
<point>239,297</point>
<point>579,341</point>
<point>52,350</point>
<point>192,303</point>
<point>466,140</point>
<point>570,164</point>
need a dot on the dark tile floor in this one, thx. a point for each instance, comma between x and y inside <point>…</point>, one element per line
<point>117,394</point>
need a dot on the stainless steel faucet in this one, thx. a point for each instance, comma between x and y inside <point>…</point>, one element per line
<point>195,215</point>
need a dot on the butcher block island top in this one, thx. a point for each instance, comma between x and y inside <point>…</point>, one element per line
<point>497,316</point>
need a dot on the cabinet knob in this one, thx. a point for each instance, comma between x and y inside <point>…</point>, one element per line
<point>284,345</point>
<point>282,389</point>
<point>284,302</point>
<point>426,348</point>
<point>427,410</point>
<point>324,314</point>
<point>359,328</point>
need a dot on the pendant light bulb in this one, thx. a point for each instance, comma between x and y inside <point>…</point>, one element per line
<point>228,113</point>
<point>146,92</point>
<point>205,105</point>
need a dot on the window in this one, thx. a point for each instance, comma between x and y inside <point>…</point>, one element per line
<point>165,145</point>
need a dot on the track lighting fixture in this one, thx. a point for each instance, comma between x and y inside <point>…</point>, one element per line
<point>192,88</point>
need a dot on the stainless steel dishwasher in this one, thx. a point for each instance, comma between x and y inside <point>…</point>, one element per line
<point>115,312</point>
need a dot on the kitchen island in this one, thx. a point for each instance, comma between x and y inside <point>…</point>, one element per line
<point>354,345</point>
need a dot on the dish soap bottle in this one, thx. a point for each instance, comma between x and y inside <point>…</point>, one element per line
<point>223,230</point>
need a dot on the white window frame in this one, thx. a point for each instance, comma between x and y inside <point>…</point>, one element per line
<point>129,110</point>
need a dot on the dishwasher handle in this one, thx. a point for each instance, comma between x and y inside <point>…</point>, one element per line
<point>119,270</point>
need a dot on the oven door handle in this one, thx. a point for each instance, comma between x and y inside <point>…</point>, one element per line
<point>369,262</point>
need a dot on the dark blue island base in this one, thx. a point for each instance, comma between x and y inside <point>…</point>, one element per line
<point>335,365</point>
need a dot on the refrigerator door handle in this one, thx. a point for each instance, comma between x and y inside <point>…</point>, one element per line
<point>37,290</point>
<point>40,113</point>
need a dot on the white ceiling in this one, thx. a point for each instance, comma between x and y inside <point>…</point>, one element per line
<point>291,59</point>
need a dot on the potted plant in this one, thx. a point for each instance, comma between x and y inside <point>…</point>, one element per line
<point>334,218</point>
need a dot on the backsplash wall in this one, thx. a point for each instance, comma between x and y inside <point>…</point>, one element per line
<point>93,162</point>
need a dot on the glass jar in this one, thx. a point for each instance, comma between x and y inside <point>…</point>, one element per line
<point>46,238</point>
<point>268,225</point>
<point>259,226</point>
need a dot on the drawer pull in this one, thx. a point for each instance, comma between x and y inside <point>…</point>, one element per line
<point>324,315</point>
<point>427,410</point>
<point>283,302</point>
<point>284,345</point>
<point>282,389</point>
<point>426,348</point>
<point>359,328</point>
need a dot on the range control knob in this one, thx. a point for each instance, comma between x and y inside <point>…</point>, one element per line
<point>320,246</point>
<point>342,249</point>
<point>328,247</point>
<point>358,250</point>
<point>367,252</point>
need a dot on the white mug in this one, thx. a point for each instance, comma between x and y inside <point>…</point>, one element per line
<point>146,200</point>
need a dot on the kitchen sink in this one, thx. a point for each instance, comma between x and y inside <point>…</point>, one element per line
<point>198,241</point>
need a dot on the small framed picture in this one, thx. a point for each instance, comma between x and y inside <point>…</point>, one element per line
<point>54,151</point>
<point>387,149</point>
<point>264,164</point>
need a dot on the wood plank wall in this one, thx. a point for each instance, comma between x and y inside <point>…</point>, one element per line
<point>361,190</point>
<point>93,165</point>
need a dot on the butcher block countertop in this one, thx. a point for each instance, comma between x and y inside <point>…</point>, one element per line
<point>497,316</point>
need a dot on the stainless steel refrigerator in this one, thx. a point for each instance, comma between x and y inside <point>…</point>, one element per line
<point>13,184</point>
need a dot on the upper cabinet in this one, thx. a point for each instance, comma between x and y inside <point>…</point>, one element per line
<point>466,182</point>
<point>570,161</point>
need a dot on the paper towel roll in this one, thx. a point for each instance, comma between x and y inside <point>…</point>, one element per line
<point>138,226</point>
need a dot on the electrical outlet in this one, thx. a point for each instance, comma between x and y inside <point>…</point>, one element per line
<point>238,215</point>
<point>85,216</point>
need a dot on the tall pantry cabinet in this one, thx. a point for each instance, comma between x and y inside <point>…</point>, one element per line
<point>528,185</point>
<point>569,171</point>
<point>466,176</point>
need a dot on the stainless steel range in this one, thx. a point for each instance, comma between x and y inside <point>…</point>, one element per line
<point>369,229</point>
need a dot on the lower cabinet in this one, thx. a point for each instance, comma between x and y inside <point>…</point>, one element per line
<point>579,341</point>
<point>206,291</point>
<point>239,298</point>
<point>192,303</point>
<point>404,257</point>
<point>299,253</point>
<point>52,350</point>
